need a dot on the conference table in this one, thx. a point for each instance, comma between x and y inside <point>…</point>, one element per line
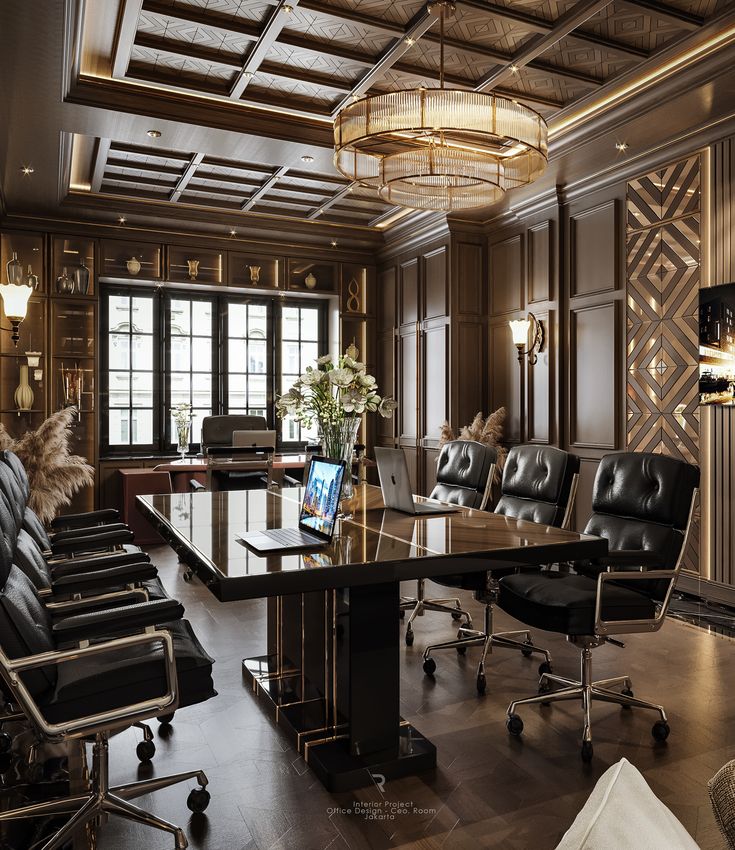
<point>330,672</point>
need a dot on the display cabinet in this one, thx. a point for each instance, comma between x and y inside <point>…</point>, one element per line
<point>130,260</point>
<point>29,248</point>
<point>312,276</point>
<point>73,266</point>
<point>195,265</point>
<point>260,272</point>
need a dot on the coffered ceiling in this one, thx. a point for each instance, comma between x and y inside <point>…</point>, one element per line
<point>245,91</point>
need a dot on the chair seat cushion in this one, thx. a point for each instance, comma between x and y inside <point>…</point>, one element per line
<point>565,603</point>
<point>109,680</point>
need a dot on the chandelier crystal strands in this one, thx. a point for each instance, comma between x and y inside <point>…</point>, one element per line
<point>440,149</point>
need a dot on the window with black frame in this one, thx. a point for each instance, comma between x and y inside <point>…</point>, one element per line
<point>218,353</point>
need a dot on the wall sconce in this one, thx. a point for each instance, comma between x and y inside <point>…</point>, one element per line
<point>519,329</point>
<point>15,297</point>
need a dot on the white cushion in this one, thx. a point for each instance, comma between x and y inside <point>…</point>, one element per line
<point>622,812</point>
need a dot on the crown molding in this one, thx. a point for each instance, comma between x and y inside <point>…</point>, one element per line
<point>415,231</point>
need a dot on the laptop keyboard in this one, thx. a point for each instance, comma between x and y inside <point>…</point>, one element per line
<point>289,536</point>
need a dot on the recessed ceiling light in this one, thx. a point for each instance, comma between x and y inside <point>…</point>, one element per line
<point>288,9</point>
<point>122,219</point>
<point>307,158</point>
<point>514,69</point>
<point>233,232</point>
<point>409,41</point>
<point>621,146</point>
<point>153,134</point>
<point>248,75</point>
<point>334,243</point>
<point>27,169</point>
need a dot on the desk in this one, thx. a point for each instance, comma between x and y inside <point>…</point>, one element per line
<point>330,675</point>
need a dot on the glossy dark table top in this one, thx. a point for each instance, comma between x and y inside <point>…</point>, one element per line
<point>376,545</point>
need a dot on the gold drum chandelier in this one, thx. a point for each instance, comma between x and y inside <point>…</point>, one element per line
<point>440,149</point>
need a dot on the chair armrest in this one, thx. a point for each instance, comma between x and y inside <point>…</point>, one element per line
<point>93,542</point>
<point>85,531</point>
<point>112,621</point>
<point>123,715</point>
<point>69,566</point>
<point>603,627</point>
<point>196,486</point>
<point>89,518</point>
<point>100,579</point>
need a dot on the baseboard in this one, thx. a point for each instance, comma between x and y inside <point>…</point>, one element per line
<point>713,591</point>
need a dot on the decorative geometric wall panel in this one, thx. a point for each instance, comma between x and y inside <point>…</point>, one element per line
<point>663,278</point>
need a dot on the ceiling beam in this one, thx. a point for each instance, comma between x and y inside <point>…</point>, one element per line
<point>263,188</point>
<point>337,196</point>
<point>188,173</point>
<point>276,22</point>
<point>563,26</point>
<point>99,161</point>
<point>542,25</point>
<point>127,24</point>
<point>412,33</point>
<point>685,20</point>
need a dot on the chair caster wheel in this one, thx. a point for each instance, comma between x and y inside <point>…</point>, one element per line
<point>627,692</point>
<point>6,742</point>
<point>165,719</point>
<point>409,637</point>
<point>660,730</point>
<point>456,615</point>
<point>429,666</point>
<point>481,683</point>
<point>545,667</point>
<point>402,614</point>
<point>145,751</point>
<point>188,576</point>
<point>198,800</point>
<point>461,650</point>
<point>527,653</point>
<point>587,751</point>
<point>514,725</point>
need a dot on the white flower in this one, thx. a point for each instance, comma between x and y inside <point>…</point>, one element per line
<point>367,381</point>
<point>387,406</point>
<point>353,401</point>
<point>311,377</point>
<point>350,363</point>
<point>324,360</point>
<point>341,377</point>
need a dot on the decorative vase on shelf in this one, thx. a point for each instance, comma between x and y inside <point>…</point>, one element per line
<point>310,281</point>
<point>182,433</point>
<point>254,274</point>
<point>32,279</point>
<point>338,443</point>
<point>64,284</point>
<point>14,270</point>
<point>81,279</point>
<point>23,395</point>
<point>193,266</point>
<point>133,265</point>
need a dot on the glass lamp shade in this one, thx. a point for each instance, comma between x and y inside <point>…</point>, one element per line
<point>34,359</point>
<point>519,330</point>
<point>15,300</point>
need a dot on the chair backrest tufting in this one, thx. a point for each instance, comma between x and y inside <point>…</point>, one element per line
<point>464,473</point>
<point>19,471</point>
<point>218,430</point>
<point>538,484</point>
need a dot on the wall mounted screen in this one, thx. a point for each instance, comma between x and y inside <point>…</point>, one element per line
<point>717,345</point>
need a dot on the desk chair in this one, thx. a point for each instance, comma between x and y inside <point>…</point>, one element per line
<point>464,476</point>
<point>539,485</point>
<point>643,505</point>
<point>218,430</point>
<point>239,467</point>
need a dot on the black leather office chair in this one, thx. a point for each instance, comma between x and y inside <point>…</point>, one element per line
<point>539,484</point>
<point>218,430</point>
<point>90,676</point>
<point>464,476</point>
<point>643,504</point>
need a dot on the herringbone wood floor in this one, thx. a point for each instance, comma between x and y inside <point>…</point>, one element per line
<point>489,791</point>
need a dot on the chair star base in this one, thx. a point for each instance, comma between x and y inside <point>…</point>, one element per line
<point>420,604</point>
<point>587,691</point>
<point>102,801</point>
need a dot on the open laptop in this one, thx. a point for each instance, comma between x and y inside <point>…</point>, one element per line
<point>396,485</point>
<point>318,513</point>
<point>242,439</point>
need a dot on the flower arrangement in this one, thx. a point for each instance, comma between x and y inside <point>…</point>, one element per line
<point>334,395</point>
<point>182,416</point>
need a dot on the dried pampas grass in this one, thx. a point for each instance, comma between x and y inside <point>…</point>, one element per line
<point>487,431</point>
<point>54,474</point>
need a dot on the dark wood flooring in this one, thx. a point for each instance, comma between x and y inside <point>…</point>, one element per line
<point>489,790</point>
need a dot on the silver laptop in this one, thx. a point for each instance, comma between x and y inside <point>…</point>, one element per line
<point>242,439</point>
<point>396,485</point>
<point>318,513</point>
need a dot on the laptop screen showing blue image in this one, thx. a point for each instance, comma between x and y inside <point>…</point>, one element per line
<point>321,497</point>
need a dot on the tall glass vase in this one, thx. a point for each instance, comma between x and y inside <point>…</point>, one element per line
<point>338,443</point>
<point>182,432</point>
